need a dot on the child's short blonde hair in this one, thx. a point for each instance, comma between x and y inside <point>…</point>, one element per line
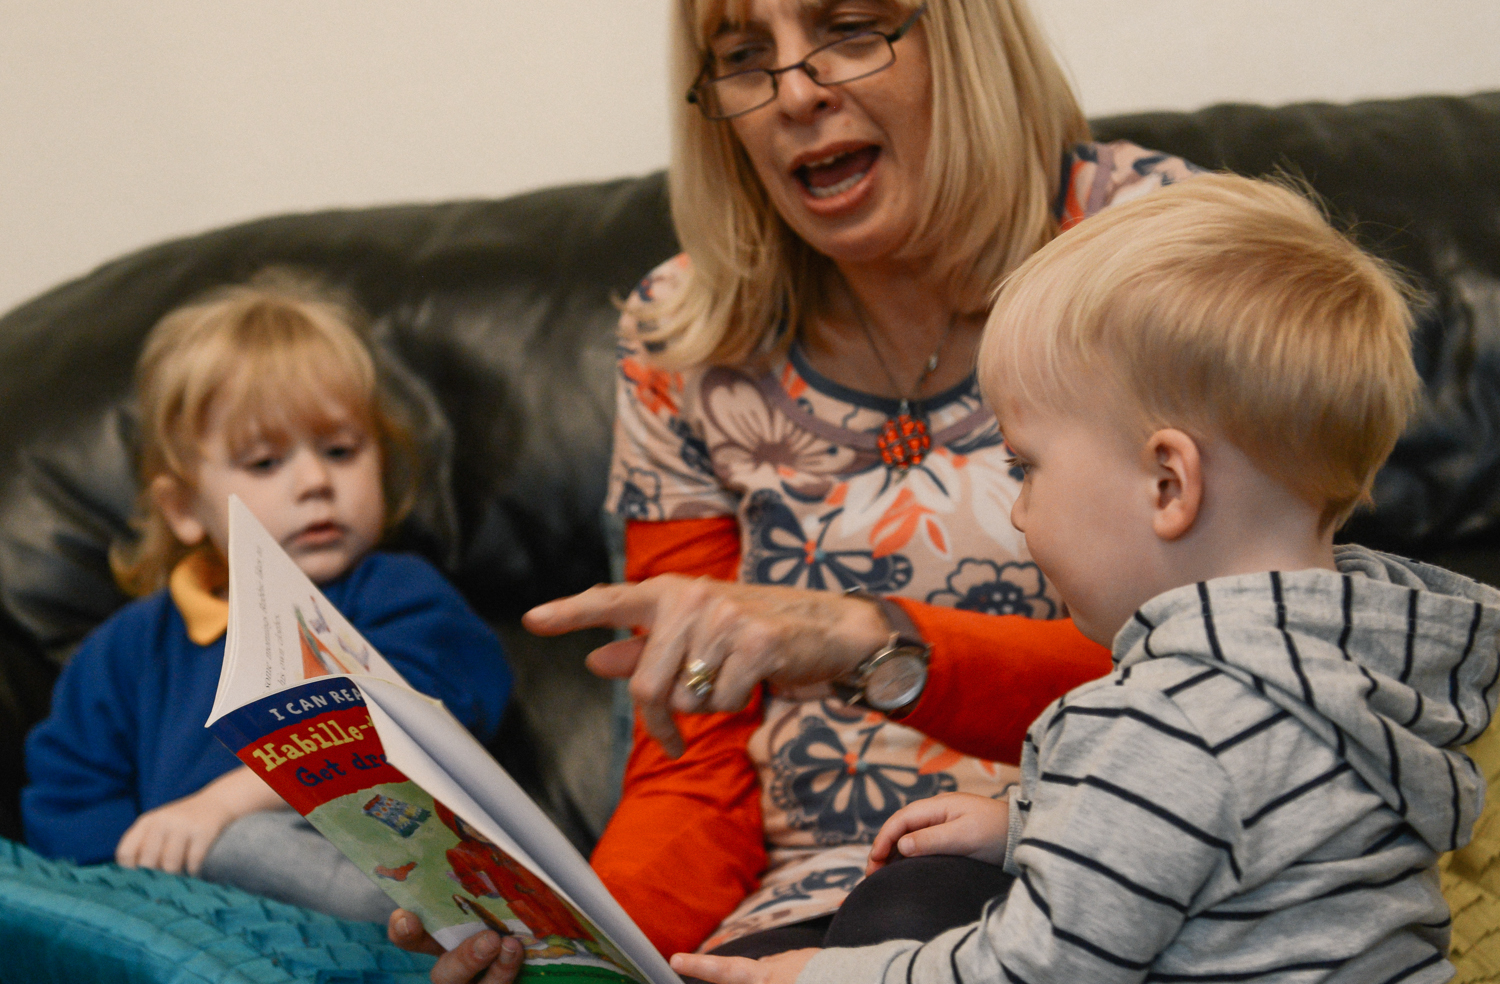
<point>1220,306</point>
<point>278,352</point>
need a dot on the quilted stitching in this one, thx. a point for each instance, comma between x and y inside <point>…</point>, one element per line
<point>1471,879</point>
<point>60,922</point>
<point>63,923</point>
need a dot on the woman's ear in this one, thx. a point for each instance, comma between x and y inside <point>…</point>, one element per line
<point>173,498</point>
<point>1177,477</point>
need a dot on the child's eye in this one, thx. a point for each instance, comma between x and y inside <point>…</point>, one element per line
<point>343,450</point>
<point>1013,463</point>
<point>261,464</point>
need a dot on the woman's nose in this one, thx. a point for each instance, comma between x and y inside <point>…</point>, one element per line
<point>801,98</point>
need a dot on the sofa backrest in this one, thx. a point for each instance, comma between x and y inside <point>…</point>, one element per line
<point>496,322</point>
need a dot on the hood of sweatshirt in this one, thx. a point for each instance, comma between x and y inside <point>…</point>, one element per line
<point>1393,662</point>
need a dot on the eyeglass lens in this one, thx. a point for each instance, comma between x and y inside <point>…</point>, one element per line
<point>842,61</point>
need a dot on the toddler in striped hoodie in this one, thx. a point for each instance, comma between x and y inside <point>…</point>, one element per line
<point>1200,386</point>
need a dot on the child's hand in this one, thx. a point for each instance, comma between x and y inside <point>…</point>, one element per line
<point>951,823</point>
<point>780,968</point>
<point>175,838</point>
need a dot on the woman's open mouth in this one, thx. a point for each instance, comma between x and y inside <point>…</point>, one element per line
<point>837,172</point>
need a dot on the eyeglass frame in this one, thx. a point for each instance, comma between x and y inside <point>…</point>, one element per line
<point>891,37</point>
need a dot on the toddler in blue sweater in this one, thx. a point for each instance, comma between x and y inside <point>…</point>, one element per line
<point>265,391</point>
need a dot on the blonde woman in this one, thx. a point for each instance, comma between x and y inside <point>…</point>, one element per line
<point>800,433</point>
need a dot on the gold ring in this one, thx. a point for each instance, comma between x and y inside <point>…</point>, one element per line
<point>700,678</point>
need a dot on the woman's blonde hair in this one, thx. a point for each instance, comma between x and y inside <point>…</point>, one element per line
<point>271,355</point>
<point>1003,116</point>
<point>1222,306</point>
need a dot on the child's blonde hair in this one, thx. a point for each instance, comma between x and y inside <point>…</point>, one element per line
<point>1220,306</point>
<point>1003,116</point>
<point>275,353</point>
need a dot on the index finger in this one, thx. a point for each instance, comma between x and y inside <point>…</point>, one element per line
<point>913,816</point>
<point>613,606</point>
<point>717,970</point>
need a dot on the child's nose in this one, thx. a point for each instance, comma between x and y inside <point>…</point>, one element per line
<point>313,474</point>
<point>1018,513</point>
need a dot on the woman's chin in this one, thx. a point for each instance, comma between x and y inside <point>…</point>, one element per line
<point>854,226</point>
<point>866,242</point>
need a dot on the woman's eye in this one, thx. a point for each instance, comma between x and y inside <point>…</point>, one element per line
<point>853,25</point>
<point>742,57</point>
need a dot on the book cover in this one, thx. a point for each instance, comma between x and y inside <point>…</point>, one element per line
<point>397,784</point>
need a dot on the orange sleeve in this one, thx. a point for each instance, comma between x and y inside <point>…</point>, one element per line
<point>990,675</point>
<point>685,845</point>
<point>698,547</point>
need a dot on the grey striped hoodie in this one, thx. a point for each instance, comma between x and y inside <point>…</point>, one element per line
<point>1258,792</point>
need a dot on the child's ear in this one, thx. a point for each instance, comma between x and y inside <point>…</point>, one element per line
<point>174,500</point>
<point>1177,476</point>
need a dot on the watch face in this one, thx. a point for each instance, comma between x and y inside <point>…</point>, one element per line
<point>897,681</point>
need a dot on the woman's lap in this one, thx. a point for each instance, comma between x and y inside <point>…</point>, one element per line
<point>911,899</point>
<point>916,899</point>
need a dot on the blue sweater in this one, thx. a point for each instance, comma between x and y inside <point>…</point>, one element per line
<point>126,732</point>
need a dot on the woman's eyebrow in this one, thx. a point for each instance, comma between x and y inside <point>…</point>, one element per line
<point>812,9</point>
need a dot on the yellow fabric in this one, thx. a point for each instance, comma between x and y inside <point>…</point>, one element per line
<point>1471,878</point>
<point>197,587</point>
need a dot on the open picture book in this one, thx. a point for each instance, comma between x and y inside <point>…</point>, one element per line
<point>394,781</point>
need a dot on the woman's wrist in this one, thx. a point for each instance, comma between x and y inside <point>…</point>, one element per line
<point>865,630</point>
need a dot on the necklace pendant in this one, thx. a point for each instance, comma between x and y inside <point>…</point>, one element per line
<point>903,440</point>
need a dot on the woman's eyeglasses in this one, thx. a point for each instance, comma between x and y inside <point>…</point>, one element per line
<point>844,60</point>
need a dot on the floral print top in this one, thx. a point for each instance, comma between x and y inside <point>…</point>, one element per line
<point>791,454</point>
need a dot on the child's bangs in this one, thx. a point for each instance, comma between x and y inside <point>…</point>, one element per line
<point>306,384</point>
<point>1025,352</point>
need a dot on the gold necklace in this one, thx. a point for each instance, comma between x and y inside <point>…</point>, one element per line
<point>905,439</point>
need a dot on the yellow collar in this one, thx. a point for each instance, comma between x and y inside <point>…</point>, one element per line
<point>194,584</point>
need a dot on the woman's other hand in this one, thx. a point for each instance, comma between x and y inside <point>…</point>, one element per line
<point>960,824</point>
<point>741,634</point>
<point>781,968</point>
<point>497,957</point>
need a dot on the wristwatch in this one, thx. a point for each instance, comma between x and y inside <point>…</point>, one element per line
<point>891,679</point>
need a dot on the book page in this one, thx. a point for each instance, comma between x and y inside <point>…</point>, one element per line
<point>282,630</point>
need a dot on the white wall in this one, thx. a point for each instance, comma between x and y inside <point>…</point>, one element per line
<point>1183,54</point>
<point>127,121</point>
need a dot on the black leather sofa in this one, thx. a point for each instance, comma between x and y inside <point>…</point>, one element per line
<point>496,318</point>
